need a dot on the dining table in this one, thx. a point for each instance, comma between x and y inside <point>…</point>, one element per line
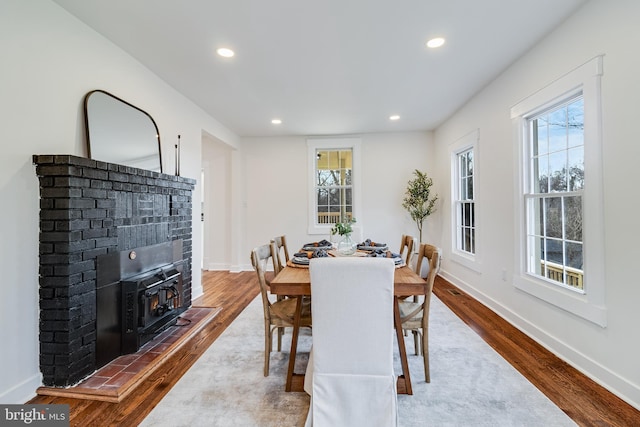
<point>295,282</point>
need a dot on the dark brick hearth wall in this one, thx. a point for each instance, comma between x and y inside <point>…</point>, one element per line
<point>89,208</point>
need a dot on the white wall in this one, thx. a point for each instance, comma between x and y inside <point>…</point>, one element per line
<point>275,203</point>
<point>49,62</point>
<point>217,166</point>
<point>609,355</point>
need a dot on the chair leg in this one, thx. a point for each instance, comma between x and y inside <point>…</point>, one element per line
<point>267,349</point>
<point>416,342</point>
<point>425,354</point>
<point>280,333</point>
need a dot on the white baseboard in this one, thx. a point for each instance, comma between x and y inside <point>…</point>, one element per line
<point>23,392</point>
<point>621,387</point>
<point>238,268</point>
<point>216,266</point>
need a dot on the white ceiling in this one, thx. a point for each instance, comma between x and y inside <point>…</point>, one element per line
<point>325,66</point>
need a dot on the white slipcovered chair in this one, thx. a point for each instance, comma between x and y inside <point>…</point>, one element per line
<point>350,374</point>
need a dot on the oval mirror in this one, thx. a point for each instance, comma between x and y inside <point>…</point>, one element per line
<point>118,132</point>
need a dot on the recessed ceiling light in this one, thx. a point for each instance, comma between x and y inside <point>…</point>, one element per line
<point>394,117</point>
<point>437,42</point>
<point>276,121</point>
<point>225,52</point>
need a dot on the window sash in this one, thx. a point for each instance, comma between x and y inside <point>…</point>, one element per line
<point>334,201</point>
<point>464,203</point>
<point>550,206</point>
<point>334,190</point>
<point>465,226</point>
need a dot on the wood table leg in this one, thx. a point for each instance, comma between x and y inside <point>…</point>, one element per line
<point>404,380</point>
<point>294,346</point>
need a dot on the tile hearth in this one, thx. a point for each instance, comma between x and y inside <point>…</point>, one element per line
<point>118,378</point>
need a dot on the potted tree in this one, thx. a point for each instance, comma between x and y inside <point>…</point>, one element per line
<point>418,200</point>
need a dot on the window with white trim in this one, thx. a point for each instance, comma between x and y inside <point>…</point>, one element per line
<point>333,185</point>
<point>465,204</point>
<point>559,236</point>
<point>554,193</point>
<point>333,182</point>
<point>465,244</point>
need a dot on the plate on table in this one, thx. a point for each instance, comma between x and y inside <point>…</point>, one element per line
<point>373,248</point>
<point>369,245</point>
<point>397,259</point>
<point>300,260</point>
<point>314,246</point>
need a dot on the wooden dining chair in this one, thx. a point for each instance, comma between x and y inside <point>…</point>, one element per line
<point>350,374</point>
<point>282,253</point>
<point>415,314</point>
<point>407,244</point>
<point>279,314</point>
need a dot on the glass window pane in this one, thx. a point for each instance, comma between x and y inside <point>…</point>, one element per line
<point>345,159</point>
<point>325,178</point>
<point>470,163</point>
<point>322,197</point>
<point>334,196</point>
<point>575,122</point>
<point>553,217</point>
<point>574,255</point>
<point>558,171</point>
<point>467,239</point>
<point>535,224</point>
<point>467,215</point>
<point>347,177</point>
<point>463,165</point>
<point>332,160</point>
<point>576,168</point>
<point>573,218</point>
<point>463,189</point>
<point>558,130</point>
<point>535,246</point>
<point>541,174</point>
<point>553,251</point>
<point>322,159</point>
<point>348,199</point>
<point>540,137</point>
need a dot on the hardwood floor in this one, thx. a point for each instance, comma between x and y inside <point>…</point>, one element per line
<point>582,399</point>
<point>232,292</point>
<point>587,403</point>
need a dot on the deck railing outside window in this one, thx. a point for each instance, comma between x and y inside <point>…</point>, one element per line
<point>331,217</point>
<point>555,272</point>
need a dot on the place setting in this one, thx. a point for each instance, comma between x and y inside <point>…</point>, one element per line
<point>325,248</point>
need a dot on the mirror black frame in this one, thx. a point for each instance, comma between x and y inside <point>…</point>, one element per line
<point>88,133</point>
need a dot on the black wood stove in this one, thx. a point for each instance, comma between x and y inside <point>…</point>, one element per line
<point>138,296</point>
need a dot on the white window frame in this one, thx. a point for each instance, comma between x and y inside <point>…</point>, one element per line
<point>467,142</point>
<point>589,305</point>
<point>314,144</point>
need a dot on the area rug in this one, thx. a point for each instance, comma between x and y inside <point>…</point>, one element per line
<point>471,384</point>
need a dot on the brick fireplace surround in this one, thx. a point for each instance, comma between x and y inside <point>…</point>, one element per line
<point>89,208</point>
